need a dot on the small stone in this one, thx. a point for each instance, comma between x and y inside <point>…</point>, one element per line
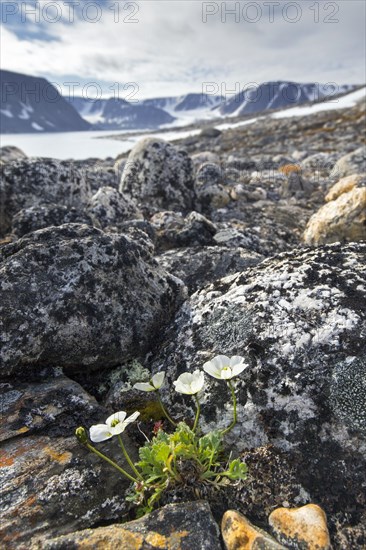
<point>239,534</point>
<point>304,527</point>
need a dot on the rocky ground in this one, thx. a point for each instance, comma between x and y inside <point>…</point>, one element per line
<point>248,242</point>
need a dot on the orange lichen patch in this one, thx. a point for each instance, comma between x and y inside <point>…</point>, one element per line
<point>103,538</point>
<point>28,509</point>
<point>239,533</point>
<point>23,430</point>
<point>288,169</point>
<point>175,539</point>
<point>156,540</point>
<point>58,457</point>
<point>7,458</point>
<point>307,526</point>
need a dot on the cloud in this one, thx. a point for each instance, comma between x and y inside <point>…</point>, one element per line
<point>170,50</point>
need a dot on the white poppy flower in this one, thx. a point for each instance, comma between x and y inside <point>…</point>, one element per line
<point>155,383</point>
<point>225,368</point>
<point>190,383</point>
<point>114,425</point>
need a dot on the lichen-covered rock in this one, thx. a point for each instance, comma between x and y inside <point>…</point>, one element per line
<point>53,405</point>
<point>205,156</point>
<point>239,534</point>
<point>353,163</point>
<point>111,208</point>
<point>209,174</point>
<point>10,153</point>
<point>31,182</point>
<point>54,485</point>
<point>343,219</point>
<point>175,231</point>
<point>344,185</point>
<point>45,215</point>
<point>212,197</point>
<point>185,526</point>
<point>200,266</point>
<point>158,176</point>
<point>304,527</point>
<point>298,315</point>
<point>75,297</point>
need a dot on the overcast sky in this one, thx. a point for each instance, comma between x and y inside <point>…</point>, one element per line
<point>171,47</point>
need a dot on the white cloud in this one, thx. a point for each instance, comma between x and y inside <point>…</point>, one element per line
<point>171,51</point>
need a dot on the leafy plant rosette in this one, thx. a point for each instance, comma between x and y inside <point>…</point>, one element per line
<point>171,460</point>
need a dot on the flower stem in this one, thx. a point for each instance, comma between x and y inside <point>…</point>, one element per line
<point>229,428</point>
<point>132,466</point>
<point>101,455</point>
<point>197,413</point>
<point>165,411</point>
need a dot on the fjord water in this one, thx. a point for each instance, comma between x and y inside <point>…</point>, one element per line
<point>80,145</point>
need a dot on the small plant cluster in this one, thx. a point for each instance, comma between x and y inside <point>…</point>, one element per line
<point>182,457</point>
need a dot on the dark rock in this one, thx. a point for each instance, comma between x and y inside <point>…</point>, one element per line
<point>209,174</point>
<point>141,225</point>
<point>210,133</point>
<point>46,215</point>
<point>200,266</point>
<point>75,297</point>
<point>175,231</point>
<point>53,406</point>
<point>159,176</point>
<point>111,208</point>
<point>32,182</point>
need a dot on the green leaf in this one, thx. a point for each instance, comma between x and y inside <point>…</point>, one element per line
<point>237,470</point>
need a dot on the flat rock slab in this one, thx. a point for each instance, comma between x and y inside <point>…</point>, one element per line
<point>188,526</point>
<point>54,485</point>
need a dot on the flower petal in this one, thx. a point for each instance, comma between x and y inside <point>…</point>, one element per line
<point>197,382</point>
<point>132,417</point>
<point>212,369</point>
<point>186,378</point>
<point>221,361</point>
<point>235,359</point>
<point>158,380</point>
<point>100,432</point>
<point>144,386</point>
<point>118,416</point>
<point>181,388</point>
<point>237,369</point>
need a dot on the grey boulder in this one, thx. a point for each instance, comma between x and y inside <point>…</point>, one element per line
<point>75,297</point>
<point>159,176</point>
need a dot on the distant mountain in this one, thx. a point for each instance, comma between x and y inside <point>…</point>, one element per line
<point>277,95</point>
<point>118,114</point>
<point>188,102</point>
<point>30,104</point>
